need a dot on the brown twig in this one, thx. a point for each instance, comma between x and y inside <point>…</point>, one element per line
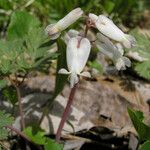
<point>18,132</point>
<point>66,113</point>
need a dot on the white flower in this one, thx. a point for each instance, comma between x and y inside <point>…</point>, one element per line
<point>109,29</point>
<point>78,50</point>
<point>54,30</point>
<point>70,34</point>
<point>136,56</point>
<point>113,51</point>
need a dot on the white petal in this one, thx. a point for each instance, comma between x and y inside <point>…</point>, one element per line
<point>109,29</point>
<point>120,65</point>
<point>70,34</point>
<point>85,74</point>
<point>105,46</point>
<point>93,17</point>
<point>73,33</point>
<point>136,56</point>
<point>83,53</point>
<point>72,54</point>
<point>122,62</point>
<point>120,48</point>
<point>78,51</point>
<point>73,79</point>
<point>104,49</point>
<point>127,61</point>
<point>51,29</point>
<point>69,19</point>
<point>63,71</point>
<point>128,41</point>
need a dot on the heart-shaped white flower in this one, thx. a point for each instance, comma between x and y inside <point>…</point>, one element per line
<point>78,50</point>
<point>113,51</point>
<point>54,30</point>
<point>70,34</point>
<point>109,29</point>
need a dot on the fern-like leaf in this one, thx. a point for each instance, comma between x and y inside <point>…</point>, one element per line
<point>143,69</point>
<point>5,119</point>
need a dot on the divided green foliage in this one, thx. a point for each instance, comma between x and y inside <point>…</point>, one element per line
<point>143,69</point>
<point>24,51</point>
<point>96,65</point>
<point>9,94</point>
<point>142,129</point>
<point>3,83</point>
<point>142,44</point>
<point>38,137</point>
<point>52,145</point>
<point>143,48</point>
<point>5,119</point>
<point>21,23</point>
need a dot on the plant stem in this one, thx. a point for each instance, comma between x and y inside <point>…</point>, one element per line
<point>22,122</point>
<point>17,87</point>
<point>66,112</point>
<point>18,132</point>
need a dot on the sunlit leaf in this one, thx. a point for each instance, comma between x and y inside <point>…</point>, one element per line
<point>21,24</point>
<point>145,146</point>
<point>52,145</point>
<point>142,129</point>
<point>5,119</point>
<point>38,137</point>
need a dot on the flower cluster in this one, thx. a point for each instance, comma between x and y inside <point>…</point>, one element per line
<point>110,40</point>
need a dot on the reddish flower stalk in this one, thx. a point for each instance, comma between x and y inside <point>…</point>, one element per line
<point>66,112</point>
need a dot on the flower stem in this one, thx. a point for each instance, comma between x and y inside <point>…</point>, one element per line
<point>66,112</point>
<point>22,122</point>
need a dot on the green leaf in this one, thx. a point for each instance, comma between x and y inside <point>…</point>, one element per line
<point>5,119</point>
<point>21,24</point>
<point>109,6</point>
<point>61,63</point>
<point>3,83</point>
<point>142,129</point>
<point>52,145</point>
<point>96,65</point>
<point>145,146</point>
<point>37,137</point>
<point>143,69</point>
<point>10,94</point>
<point>143,49</point>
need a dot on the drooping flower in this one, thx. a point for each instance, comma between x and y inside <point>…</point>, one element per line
<point>113,51</point>
<point>70,34</point>
<point>54,30</point>
<point>78,50</point>
<point>109,29</point>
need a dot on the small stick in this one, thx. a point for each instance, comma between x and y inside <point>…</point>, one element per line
<point>66,113</point>
<point>17,132</point>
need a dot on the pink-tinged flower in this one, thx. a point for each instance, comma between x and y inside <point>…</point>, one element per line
<point>54,30</point>
<point>109,29</point>
<point>78,50</point>
<point>113,51</point>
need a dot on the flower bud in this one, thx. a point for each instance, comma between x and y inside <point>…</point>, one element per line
<point>109,29</point>
<point>54,30</point>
